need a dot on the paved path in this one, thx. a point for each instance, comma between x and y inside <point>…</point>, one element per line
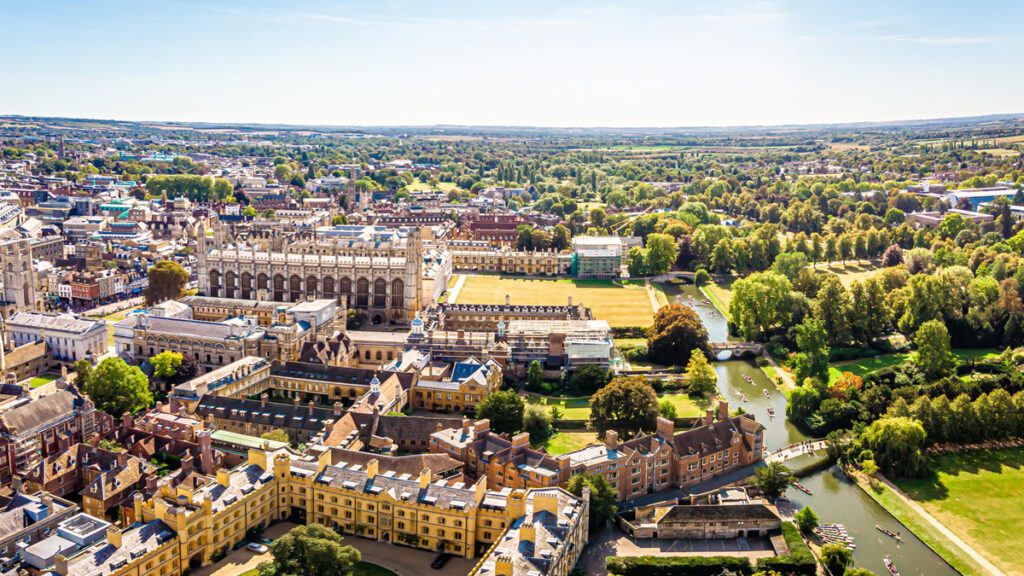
<point>407,561</point>
<point>453,294</point>
<point>241,560</point>
<point>942,528</point>
<point>786,378</point>
<point>655,305</point>
<point>792,452</point>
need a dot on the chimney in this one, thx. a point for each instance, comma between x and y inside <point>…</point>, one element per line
<point>263,400</point>
<point>438,427</point>
<point>508,300</point>
<point>465,424</point>
<point>310,407</point>
<point>527,532</point>
<point>113,536</point>
<point>611,439</point>
<point>296,400</point>
<point>371,468</point>
<point>666,429</point>
<point>187,464</point>
<point>47,501</point>
<point>126,421</point>
<point>570,301</point>
<point>223,477</point>
<point>60,564</point>
<point>17,485</point>
<point>425,477</point>
<point>122,459</point>
<point>709,417</point>
<point>339,408</point>
<point>723,410</point>
<point>503,566</point>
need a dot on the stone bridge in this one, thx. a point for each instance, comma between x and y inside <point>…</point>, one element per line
<point>726,350</point>
<point>794,451</point>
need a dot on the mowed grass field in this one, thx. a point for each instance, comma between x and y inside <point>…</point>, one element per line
<point>567,442</point>
<point>620,305</point>
<point>978,495</point>
<point>721,294</point>
<point>579,408</point>
<point>849,273</point>
<point>862,366</point>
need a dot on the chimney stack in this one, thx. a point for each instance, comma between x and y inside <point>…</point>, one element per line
<point>611,439</point>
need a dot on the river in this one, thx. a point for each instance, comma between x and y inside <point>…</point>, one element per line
<point>835,500</point>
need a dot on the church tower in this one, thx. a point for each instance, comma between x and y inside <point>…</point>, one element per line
<point>19,275</point>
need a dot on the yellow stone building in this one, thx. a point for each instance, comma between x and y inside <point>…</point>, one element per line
<point>188,526</point>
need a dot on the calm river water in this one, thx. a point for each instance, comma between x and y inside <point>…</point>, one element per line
<point>835,500</point>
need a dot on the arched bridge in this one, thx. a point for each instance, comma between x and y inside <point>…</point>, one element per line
<point>726,350</point>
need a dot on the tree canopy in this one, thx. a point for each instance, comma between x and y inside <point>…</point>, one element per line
<point>626,404</point>
<point>676,333</point>
<point>116,388</point>
<point>505,411</point>
<point>311,550</point>
<point>167,281</point>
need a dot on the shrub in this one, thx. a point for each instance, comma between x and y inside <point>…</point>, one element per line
<point>677,565</point>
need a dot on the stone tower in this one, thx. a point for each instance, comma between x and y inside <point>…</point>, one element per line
<point>413,273</point>
<point>19,275</point>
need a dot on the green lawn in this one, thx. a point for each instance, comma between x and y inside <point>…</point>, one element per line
<point>620,342</point>
<point>625,305</point>
<point>43,379</point>
<point>685,407</point>
<point>572,408</point>
<point>978,495</point>
<point>928,534</point>
<point>420,186</point>
<point>720,294</point>
<point>849,273</point>
<point>862,366</point>
<point>568,441</point>
<point>253,572</point>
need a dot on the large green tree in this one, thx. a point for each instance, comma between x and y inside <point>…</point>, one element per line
<point>167,281</point>
<point>603,498</point>
<point>627,404</point>
<point>763,303</point>
<point>311,550</point>
<point>934,354</point>
<point>898,445</point>
<point>116,388</point>
<point>812,340</point>
<point>165,364</point>
<point>676,333</point>
<point>505,411</point>
<point>701,378</point>
<point>773,479</point>
<point>835,558</point>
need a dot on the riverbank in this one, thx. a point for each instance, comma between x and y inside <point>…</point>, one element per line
<point>884,495</point>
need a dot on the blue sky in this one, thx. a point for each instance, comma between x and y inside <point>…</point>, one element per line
<point>522,62</point>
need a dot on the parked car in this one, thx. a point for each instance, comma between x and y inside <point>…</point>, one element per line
<point>257,548</point>
<point>266,541</point>
<point>440,561</point>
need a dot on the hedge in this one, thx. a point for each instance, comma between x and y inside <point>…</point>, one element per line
<point>677,565</point>
<point>800,561</point>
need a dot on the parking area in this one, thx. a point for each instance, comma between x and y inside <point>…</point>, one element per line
<point>614,542</point>
<point>407,561</point>
<point>241,560</point>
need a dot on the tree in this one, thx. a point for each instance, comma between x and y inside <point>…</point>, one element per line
<point>676,333</point>
<point>764,302</point>
<point>701,277</point>
<point>773,479</point>
<point>893,256</point>
<point>167,281</point>
<point>537,421</point>
<point>560,237</point>
<point>812,362</point>
<point>858,572</point>
<point>603,498</point>
<point>165,364</point>
<point>354,319</point>
<point>589,379</point>
<point>934,355</point>
<point>277,435</point>
<point>897,444</point>
<point>789,264</point>
<point>189,368</point>
<point>833,308</point>
<point>535,376</point>
<point>835,558</point>
<point>869,467</point>
<point>311,550</point>
<point>806,519</point>
<point>505,411</point>
<point>666,409</point>
<point>117,388</point>
<point>662,251</point>
<point>627,404</point>
<point>249,211</point>
<point>701,378</point>
<point>803,402</point>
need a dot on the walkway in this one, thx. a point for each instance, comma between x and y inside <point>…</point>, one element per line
<point>942,528</point>
<point>453,294</point>
<point>790,452</point>
<point>652,294</point>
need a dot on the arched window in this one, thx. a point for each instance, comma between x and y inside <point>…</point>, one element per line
<point>397,293</point>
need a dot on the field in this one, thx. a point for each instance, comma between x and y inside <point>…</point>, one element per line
<point>977,495</point>
<point>862,366</point>
<point>568,441</point>
<point>685,407</point>
<point>572,408</point>
<point>620,305</point>
<point>420,186</point>
<point>849,273</point>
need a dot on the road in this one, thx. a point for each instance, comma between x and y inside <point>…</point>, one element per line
<point>107,309</point>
